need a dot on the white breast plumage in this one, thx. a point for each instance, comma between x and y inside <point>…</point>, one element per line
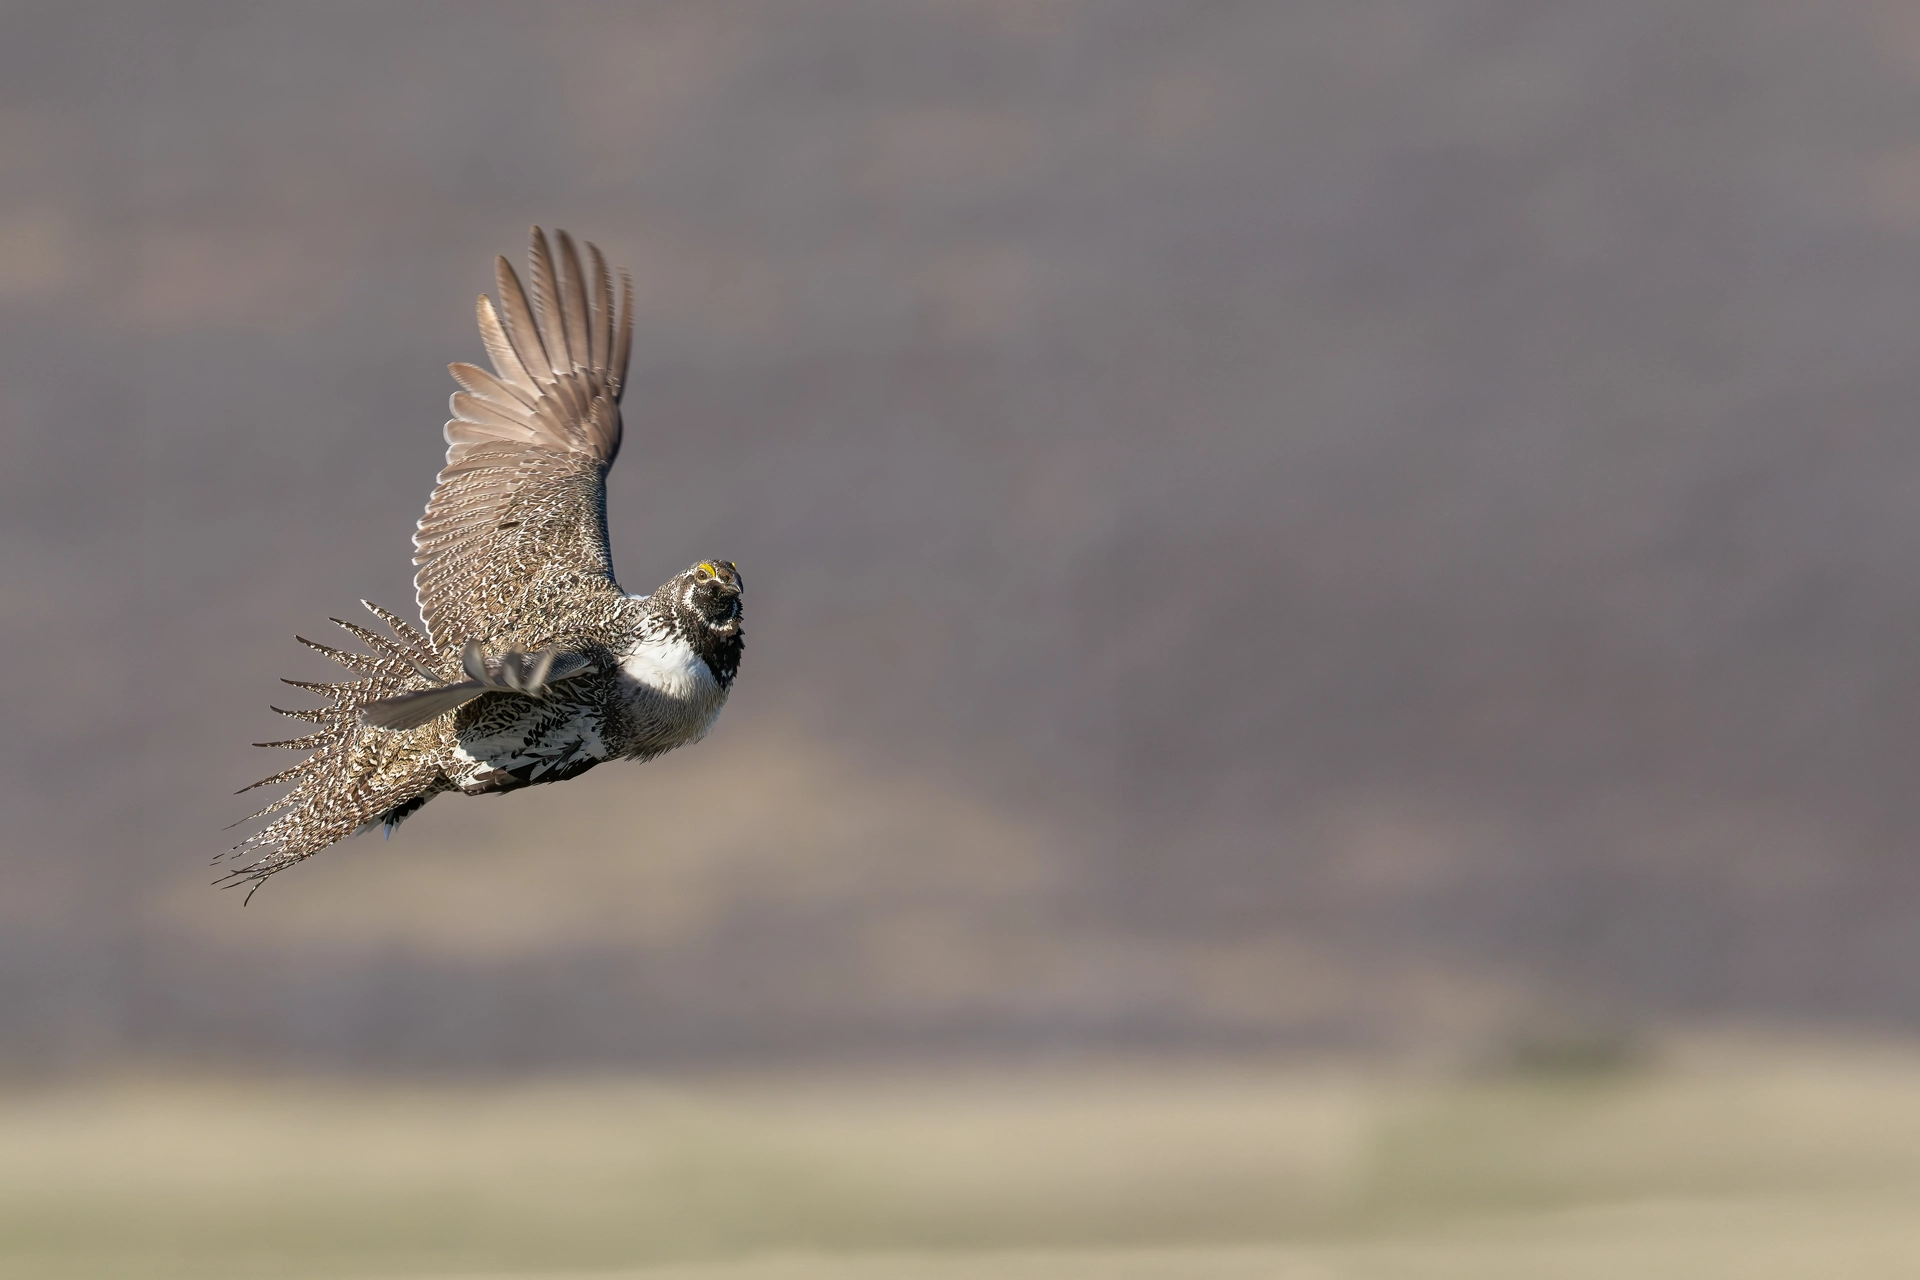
<point>672,695</point>
<point>668,664</point>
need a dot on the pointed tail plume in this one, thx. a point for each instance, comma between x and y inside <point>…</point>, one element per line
<point>356,775</point>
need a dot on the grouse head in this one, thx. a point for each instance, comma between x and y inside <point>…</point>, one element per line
<point>709,597</point>
<point>706,611</point>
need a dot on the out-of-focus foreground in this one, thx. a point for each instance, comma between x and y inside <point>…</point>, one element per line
<point>1718,1165</point>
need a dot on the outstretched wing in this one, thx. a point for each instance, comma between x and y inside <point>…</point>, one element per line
<point>516,529</point>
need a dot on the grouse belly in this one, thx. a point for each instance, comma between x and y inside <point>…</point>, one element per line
<point>511,743</point>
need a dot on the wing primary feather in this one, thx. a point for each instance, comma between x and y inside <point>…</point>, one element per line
<point>517,318</point>
<point>563,401</point>
<point>506,361</point>
<point>463,437</point>
<point>546,304</point>
<point>573,303</point>
<point>558,427</point>
<point>483,384</point>
<point>576,394</point>
<point>623,342</point>
<point>601,330</point>
<point>476,409</point>
<point>604,425</point>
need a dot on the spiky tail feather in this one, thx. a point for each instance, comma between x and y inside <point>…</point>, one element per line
<point>356,775</point>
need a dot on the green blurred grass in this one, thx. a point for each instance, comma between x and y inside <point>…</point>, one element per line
<point>1728,1162</point>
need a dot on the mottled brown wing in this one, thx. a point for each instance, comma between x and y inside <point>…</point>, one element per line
<point>516,529</point>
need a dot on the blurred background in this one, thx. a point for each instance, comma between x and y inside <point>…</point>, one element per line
<point>1368,544</point>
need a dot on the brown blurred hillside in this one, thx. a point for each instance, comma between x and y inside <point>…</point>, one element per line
<point>1361,524</point>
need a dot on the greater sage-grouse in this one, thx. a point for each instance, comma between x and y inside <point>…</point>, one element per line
<point>535,666</point>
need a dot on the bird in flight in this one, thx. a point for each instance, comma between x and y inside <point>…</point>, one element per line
<point>534,665</point>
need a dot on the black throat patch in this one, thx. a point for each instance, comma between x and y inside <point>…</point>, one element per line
<point>719,649</point>
<point>717,640</point>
